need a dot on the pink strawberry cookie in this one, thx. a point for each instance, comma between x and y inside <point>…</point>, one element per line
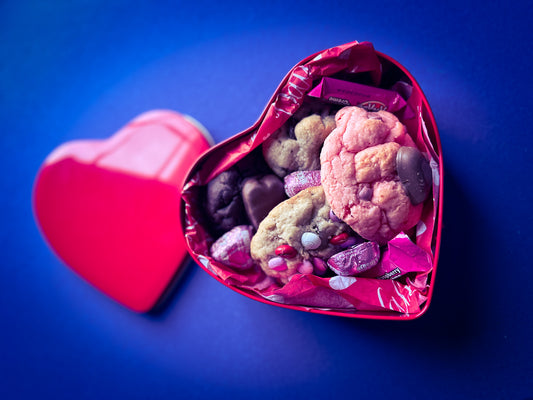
<point>358,173</point>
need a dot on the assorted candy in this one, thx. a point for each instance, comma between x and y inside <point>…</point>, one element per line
<point>355,259</point>
<point>340,194</point>
<point>297,181</point>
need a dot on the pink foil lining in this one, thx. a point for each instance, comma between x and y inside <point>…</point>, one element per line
<point>354,94</point>
<point>233,248</point>
<point>401,257</point>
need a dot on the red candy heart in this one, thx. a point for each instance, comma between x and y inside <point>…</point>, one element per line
<point>110,209</point>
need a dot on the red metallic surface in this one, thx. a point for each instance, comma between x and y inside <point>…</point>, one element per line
<point>110,209</point>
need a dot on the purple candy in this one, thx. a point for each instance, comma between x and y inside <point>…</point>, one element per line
<point>355,260</point>
<point>320,266</point>
<point>300,180</point>
<point>333,217</point>
<point>277,264</point>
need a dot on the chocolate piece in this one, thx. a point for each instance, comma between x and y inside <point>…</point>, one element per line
<point>223,201</point>
<point>260,195</point>
<point>415,173</point>
<point>355,260</point>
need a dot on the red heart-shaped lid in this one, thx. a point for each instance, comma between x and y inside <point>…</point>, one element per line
<point>110,209</point>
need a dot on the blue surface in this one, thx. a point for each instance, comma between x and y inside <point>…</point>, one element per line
<point>82,69</point>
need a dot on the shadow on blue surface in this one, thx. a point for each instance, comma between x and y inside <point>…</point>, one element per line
<point>456,317</point>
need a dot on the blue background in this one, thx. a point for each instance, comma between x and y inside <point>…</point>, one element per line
<point>82,69</point>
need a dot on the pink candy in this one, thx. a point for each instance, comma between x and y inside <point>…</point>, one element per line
<point>320,266</point>
<point>354,94</point>
<point>233,248</point>
<point>300,180</point>
<point>306,268</point>
<point>355,260</point>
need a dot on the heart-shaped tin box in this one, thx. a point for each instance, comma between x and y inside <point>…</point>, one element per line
<point>110,209</point>
<point>131,250</point>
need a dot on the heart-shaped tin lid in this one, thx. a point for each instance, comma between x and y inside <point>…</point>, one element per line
<point>110,209</point>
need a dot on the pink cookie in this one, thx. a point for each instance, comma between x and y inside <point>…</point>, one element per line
<point>358,173</point>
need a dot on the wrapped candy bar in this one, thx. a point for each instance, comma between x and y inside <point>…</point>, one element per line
<point>354,94</point>
<point>355,260</point>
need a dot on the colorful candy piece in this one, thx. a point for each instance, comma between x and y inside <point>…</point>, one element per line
<point>333,217</point>
<point>320,266</point>
<point>233,248</point>
<point>310,241</point>
<point>355,260</point>
<point>300,180</point>
<point>285,251</point>
<point>306,268</point>
<point>339,239</point>
<point>277,264</point>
